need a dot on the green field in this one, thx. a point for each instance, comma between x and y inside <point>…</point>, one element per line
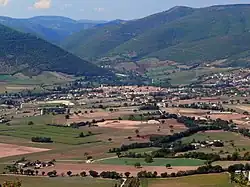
<point>60,181</point>
<point>157,162</point>
<point>211,180</point>
<point>57,134</point>
<point>190,76</point>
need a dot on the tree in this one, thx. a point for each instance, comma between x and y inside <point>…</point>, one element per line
<point>137,131</point>
<point>81,135</point>
<point>118,154</point>
<point>17,183</point>
<point>110,139</point>
<point>137,165</point>
<point>149,159</point>
<point>83,174</point>
<point>69,173</point>
<point>37,172</point>
<point>89,157</point>
<point>93,173</point>
<point>129,137</point>
<point>43,173</point>
<point>30,123</point>
<point>168,165</point>
<point>67,116</point>
<point>52,173</point>
<point>127,174</point>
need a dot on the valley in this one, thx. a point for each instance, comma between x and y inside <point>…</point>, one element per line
<point>161,100</point>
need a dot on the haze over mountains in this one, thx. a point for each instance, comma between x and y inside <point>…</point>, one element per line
<point>182,34</point>
<point>51,28</point>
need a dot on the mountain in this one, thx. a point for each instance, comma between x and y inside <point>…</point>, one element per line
<point>182,34</point>
<point>98,41</point>
<point>51,28</point>
<point>28,54</point>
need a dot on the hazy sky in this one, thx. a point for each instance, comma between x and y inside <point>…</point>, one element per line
<point>98,9</point>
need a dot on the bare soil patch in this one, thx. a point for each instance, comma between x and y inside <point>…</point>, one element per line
<point>233,116</point>
<point>121,124</point>
<point>7,150</point>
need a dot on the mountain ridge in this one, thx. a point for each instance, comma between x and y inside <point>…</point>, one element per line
<point>51,28</point>
<point>138,39</point>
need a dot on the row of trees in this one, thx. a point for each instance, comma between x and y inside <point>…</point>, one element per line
<point>42,139</point>
<point>194,126</point>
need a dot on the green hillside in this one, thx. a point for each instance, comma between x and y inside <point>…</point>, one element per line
<point>30,55</point>
<point>181,34</point>
<point>98,41</point>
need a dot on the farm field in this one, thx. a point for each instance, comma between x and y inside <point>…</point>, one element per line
<point>210,180</point>
<point>58,135</point>
<point>12,150</point>
<point>190,76</point>
<point>60,181</point>
<point>156,162</point>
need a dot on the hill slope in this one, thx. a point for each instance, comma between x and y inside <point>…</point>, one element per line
<point>51,28</point>
<point>181,34</point>
<point>98,41</point>
<point>28,54</point>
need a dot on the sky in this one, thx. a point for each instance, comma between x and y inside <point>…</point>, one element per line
<point>99,9</point>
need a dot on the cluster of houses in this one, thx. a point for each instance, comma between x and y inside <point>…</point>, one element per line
<point>35,164</point>
<point>233,78</point>
<point>207,143</point>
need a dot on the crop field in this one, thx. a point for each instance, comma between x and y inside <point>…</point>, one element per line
<point>156,162</point>
<point>57,134</point>
<point>62,182</point>
<point>213,180</point>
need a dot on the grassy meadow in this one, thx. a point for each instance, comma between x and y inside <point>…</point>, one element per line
<point>210,180</point>
<point>60,181</point>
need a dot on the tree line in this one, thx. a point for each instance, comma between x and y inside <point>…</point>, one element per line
<point>42,139</point>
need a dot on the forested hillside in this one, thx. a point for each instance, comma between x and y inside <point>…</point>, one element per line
<point>31,55</point>
<point>181,34</point>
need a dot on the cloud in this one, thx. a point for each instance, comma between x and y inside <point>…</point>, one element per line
<point>99,9</point>
<point>4,2</point>
<point>42,4</point>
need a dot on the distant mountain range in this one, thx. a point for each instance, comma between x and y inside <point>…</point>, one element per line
<point>30,55</point>
<point>51,28</point>
<point>182,34</point>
